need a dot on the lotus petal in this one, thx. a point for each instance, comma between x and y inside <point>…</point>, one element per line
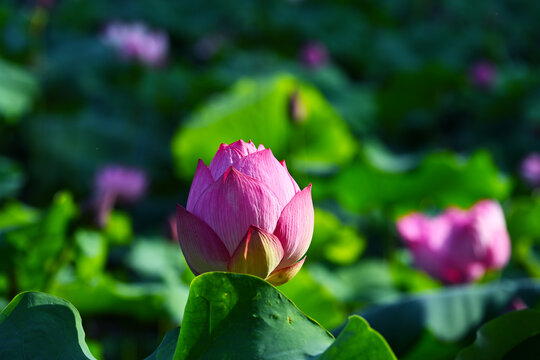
<point>258,254</point>
<point>233,203</point>
<point>295,227</point>
<point>281,276</point>
<point>201,181</point>
<point>202,248</point>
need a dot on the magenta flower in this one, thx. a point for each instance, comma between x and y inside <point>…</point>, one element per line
<point>483,74</point>
<point>458,246</point>
<point>530,169</point>
<point>117,183</point>
<point>516,304</point>
<point>314,55</point>
<point>137,42</point>
<point>246,214</point>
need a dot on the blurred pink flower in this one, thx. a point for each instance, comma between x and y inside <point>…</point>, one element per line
<point>516,304</point>
<point>313,55</point>
<point>483,73</point>
<point>458,246</point>
<point>172,221</point>
<point>530,169</point>
<point>117,183</point>
<point>246,214</point>
<point>136,41</point>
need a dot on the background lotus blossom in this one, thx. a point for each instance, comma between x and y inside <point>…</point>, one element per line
<point>246,214</point>
<point>136,41</point>
<point>117,183</point>
<point>530,169</point>
<point>483,73</point>
<point>459,245</point>
<point>314,55</point>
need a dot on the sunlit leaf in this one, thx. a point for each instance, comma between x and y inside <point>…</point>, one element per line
<point>259,110</point>
<point>17,90</point>
<point>243,317</point>
<point>441,180</point>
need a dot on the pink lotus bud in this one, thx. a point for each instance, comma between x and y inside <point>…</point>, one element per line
<point>458,246</point>
<point>117,183</point>
<point>246,214</point>
<point>530,169</point>
<point>136,41</point>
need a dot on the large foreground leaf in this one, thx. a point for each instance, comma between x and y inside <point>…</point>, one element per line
<point>358,341</point>
<point>235,316</point>
<point>515,335</point>
<point>40,326</point>
<point>165,350</point>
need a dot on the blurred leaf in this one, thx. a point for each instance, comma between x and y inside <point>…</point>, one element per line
<point>450,315</point>
<point>441,180</point>
<point>315,300</point>
<point>118,229</point>
<point>333,241</point>
<point>17,90</point>
<point>156,259</point>
<point>40,326</point>
<point>429,347</point>
<point>243,317</point>
<point>258,110</point>
<point>166,349</point>
<point>106,295</point>
<point>38,247</point>
<point>515,335</point>
<point>11,178</point>
<point>15,214</point>
<point>91,254</point>
<point>421,90</point>
<point>410,279</point>
<point>367,282</point>
<point>522,219</point>
<point>358,341</point>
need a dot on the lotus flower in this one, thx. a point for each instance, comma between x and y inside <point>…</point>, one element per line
<point>458,246</point>
<point>246,214</point>
<point>136,41</point>
<point>313,55</point>
<point>483,74</point>
<point>530,169</point>
<point>117,183</point>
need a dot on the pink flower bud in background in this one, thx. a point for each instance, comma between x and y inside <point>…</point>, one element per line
<point>117,183</point>
<point>483,74</point>
<point>313,55</point>
<point>246,214</point>
<point>458,246</point>
<point>530,169</point>
<point>137,42</point>
<point>516,304</point>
